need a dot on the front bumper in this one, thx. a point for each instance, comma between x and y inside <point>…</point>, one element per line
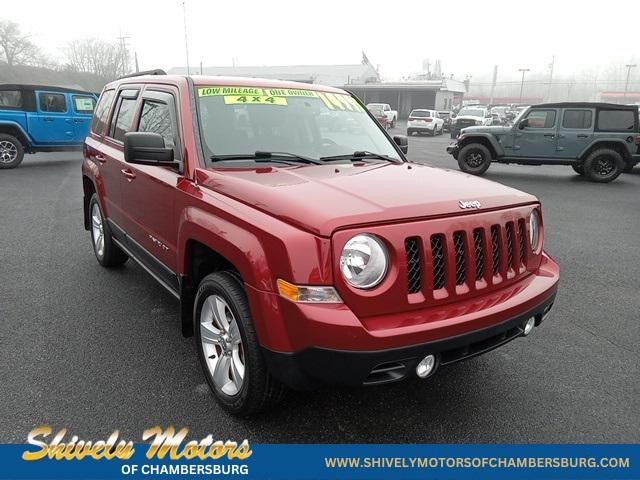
<point>315,366</point>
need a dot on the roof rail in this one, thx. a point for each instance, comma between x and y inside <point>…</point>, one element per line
<point>157,71</point>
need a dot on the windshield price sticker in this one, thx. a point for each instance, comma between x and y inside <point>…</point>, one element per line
<point>253,99</point>
<point>340,102</point>
<point>278,96</point>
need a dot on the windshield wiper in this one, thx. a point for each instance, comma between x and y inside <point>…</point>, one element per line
<point>267,157</point>
<point>360,155</point>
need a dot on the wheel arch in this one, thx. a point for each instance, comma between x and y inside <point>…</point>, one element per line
<point>88,188</point>
<point>205,247</point>
<point>614,144</point>
<point>15,130</point>
<point>484,139</point>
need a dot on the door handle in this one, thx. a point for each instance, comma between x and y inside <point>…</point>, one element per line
<point>101,158</point>
<point>582,135</point>
<point>48,119</point>
<point>78,120</point>
<point>551,135</point>
<point>128,174</point>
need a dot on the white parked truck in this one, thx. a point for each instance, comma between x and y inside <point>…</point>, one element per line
<point>392,115</point>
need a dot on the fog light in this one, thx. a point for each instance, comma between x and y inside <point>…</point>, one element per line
<point>426,365</point>
<point>529,325</point>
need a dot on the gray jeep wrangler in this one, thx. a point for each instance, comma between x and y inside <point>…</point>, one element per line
<point>599,140</point>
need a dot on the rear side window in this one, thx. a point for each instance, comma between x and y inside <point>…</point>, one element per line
<point>123,119</point>
<point>52,102</point>
<point>156,117</point>
<point>577,119</point>
<point>616,120</point>
<point>541,119</point>
<point>10,99</point>
<point>102,110</point>
<point>83,104</point>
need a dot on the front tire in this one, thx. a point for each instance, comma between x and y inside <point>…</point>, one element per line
<point>228,347</point>
<point>107,252</point>
<point>11,151</point>
<point>603,165</point>
<point>474,158</point>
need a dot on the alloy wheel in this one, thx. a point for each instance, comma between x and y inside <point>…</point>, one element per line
<point>604,166</point>
<point>474,159</point>
<point>8,152</point>
<point>97,229</point>
<point>222,345</point>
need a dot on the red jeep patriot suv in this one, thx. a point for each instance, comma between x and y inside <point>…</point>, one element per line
<point>302,245</point>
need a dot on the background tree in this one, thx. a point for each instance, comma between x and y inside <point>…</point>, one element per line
<point>92,55</point>
<point>17,47</point>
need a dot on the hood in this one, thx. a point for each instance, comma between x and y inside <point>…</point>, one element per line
<point>495,130</point>
<point>469,117</point>
<point>324,198</point>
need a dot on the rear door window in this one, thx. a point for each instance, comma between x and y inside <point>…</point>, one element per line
<point>577,119</point>
<point>83,104</point>
<point>616,120</point>
<point>123,116</point>
<point>101,111</point>
<point>52,102</point>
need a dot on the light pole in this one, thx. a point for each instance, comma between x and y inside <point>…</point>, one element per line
<point>523,70</point>
<point>626,84</point>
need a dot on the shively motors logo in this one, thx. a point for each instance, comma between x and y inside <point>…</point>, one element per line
<point>469,204</point>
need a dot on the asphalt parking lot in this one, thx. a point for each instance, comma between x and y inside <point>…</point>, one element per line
<point>96,350</point>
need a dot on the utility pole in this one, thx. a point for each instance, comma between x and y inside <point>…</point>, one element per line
<point>136,58</point>
<point>200,67</point>
<point>186,42</point>
<point>626,84</point>
<point>551,65</point>
<point>523,70</point>
<point>493,83</point>
<point>124,53</point>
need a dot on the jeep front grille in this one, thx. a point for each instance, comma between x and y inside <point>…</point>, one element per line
<point>437,252</point>
<point>478,242</point>
<point>466,256</point>
<point>414,264</point>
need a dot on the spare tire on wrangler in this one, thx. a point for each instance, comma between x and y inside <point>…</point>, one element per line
<point>474,158</point>
<point>603,165</point>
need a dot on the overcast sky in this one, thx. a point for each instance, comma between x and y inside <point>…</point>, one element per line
<point>468,36</point>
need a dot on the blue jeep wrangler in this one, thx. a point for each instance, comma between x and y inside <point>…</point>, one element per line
<point>38,118</point>
<point>598,140</point>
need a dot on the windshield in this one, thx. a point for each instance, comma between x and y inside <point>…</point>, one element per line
<point>420,113</point>
<point>471,112</point>
<point>243,120</point>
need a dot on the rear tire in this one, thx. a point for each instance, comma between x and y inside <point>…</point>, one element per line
<point>230,354</point>
<point>603,165</point>
<point>107,252</point>
<point>578,168</point>
<point>474,159</point>
<point>11,151</point>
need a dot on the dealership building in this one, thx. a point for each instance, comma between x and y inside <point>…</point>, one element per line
<point>361,79</point>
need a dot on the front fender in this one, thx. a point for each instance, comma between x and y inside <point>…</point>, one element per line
<point>497,147</point>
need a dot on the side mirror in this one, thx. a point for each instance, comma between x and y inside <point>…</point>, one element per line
<point>147,148</point>
<point>523,123</point>
<point>402,141</point>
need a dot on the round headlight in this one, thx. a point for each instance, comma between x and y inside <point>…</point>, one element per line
<point>364,261</point>
<point>534,230</point>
